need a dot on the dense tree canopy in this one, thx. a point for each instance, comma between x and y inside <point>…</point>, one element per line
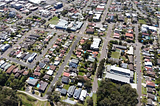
<point>116,95</point>
<point>8,97</point>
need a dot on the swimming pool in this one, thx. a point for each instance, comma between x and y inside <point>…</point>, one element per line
<point>31,78</point>
<point>38,85</point>
<point>48,67</point>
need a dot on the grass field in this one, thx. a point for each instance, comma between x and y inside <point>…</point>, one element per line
<point>94,99</point>
<point>140,21</point>
<point>54,21</point>
<point>124,58</point>
<point>115,55</point>
<point>66,86</point>
<point>144,90</point>
<point>80,73</point>
<point>30,101</point>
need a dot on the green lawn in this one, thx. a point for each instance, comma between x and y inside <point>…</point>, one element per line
<point>30,101</point>
<point>37,93</point>
<point>115,55</point>
<point>66,86</point>
<point>94,99</point>
<point>99,82</point>
<point>80,73</point>
<point>54,21</point>
<point>144,90</point>
<point>124,58</point>
<point>141,21</point>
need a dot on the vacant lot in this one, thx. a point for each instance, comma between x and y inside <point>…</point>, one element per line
<point>54,21</point>
<point>30,101</point>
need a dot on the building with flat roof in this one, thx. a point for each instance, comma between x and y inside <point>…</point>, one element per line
<point>95,44</point>
<point>119,74</point>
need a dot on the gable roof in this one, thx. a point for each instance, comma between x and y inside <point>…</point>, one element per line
<point>129,35</point>
<point>65,80</point>
<point>149,83</point>
<point>66,74</point>
<point>10,69</point>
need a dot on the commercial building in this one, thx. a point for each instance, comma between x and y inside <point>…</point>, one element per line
<point>58,5</point>
<point>119,74</point>
<point>73,26</point>
<point>95,44</point>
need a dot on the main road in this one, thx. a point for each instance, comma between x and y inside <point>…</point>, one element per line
<point>138,63</point>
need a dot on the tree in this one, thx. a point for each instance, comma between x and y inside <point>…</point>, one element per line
<point>8,97</point>
<point>100,68</point>
<point>3,78</point>
<point>94,67</point>
<point>144,101</point>
<point>112,94</point>
<point>59,83</point>
<point>88,84</point>
<point>85,55</point>
<point>56,96</point>
<point>90,102</point>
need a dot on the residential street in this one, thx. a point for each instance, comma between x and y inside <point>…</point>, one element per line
<point>64,64</point>
<point>103,55</point>
<point>138,63</point>
<point>103,52</point>
<point>78,35</point>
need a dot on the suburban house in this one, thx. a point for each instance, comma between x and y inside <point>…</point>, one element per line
<point>83,95</point>
<point>43,86</point>
<point>77,93</point>
<point>150,84</point>
<point>71,90</point>
<point>32,81</point>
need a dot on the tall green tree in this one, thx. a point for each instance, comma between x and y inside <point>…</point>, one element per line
<point>116,94</point>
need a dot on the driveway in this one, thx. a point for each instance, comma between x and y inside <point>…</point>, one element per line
<point>69,101</point>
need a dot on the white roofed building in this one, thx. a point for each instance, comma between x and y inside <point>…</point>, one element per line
<point>118,74</point>
<point>95,44</point>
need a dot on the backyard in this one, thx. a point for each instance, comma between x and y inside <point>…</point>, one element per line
<point>141,21</point>
<point>115,55</point>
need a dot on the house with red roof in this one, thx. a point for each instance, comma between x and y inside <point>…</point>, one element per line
<point>66,74</point>
<point>129,35</point>
<point>150,84</point>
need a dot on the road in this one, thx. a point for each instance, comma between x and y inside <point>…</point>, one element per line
<point>103,55</point>
<point>64,64</point>
<point>103,52</point>
<point>34,96</point>
<point>135,7</point>
<point>138,65</point>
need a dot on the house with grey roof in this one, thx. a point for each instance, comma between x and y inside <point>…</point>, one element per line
<point>32,81</point>
<point>65,80</point>
<point>63,92</point>
<point>77,93</point>
<point>71,90</point>
<point>43,86</point>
